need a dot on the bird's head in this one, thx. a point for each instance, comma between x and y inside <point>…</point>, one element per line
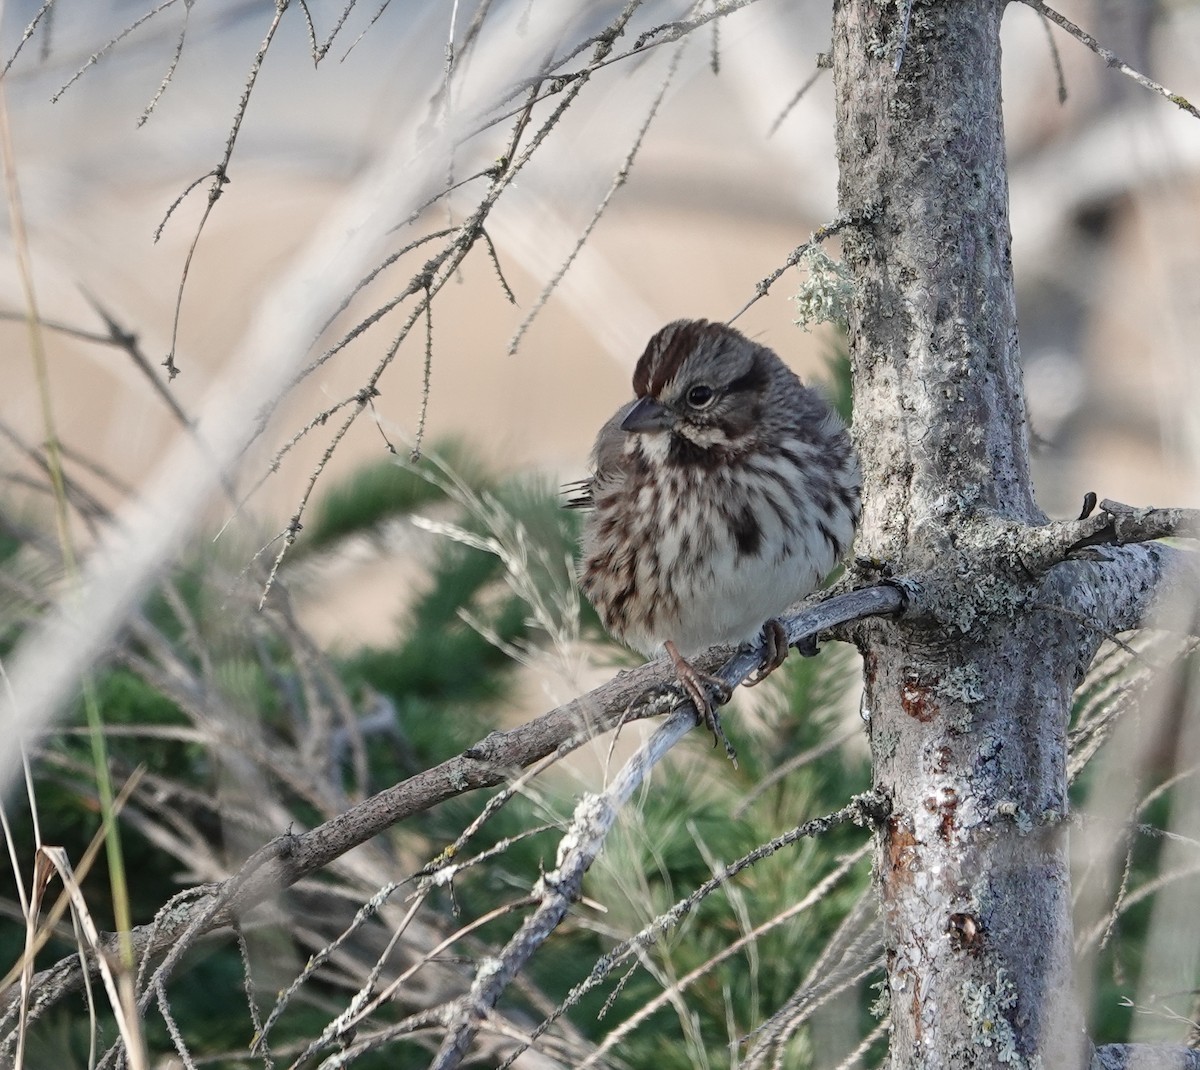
<point>701,382</point>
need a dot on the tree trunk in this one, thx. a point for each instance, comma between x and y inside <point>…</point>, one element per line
<point>969,696</point>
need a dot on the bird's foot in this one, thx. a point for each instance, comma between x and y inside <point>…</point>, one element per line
<point>881,568</point>
<point>807,646</point>
<point>775,651</point>
<point>707,693</point>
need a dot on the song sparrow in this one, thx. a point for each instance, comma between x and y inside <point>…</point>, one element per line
<point>723,493</point>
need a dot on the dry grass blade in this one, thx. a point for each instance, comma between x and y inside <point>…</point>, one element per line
<point>53,860</point>
<point>46,929</point>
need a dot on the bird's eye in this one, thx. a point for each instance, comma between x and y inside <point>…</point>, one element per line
<point>700,397</point>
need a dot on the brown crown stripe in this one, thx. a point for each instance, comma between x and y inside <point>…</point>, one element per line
<point>668,349</point>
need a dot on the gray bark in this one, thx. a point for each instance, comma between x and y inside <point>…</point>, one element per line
<point>1145,1057</point>
<point>969,694</point>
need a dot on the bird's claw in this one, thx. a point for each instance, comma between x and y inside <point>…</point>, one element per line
<point>807,646</point>
<point>774,651</point>
<point>707,693</point>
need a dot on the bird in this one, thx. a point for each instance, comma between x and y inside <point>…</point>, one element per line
<point>724,492</point>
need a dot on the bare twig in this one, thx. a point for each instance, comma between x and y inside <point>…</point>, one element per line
<point>126,340</point>
<point>289,534</point>
<point>220,176</point>
<point>1111,58</point>
<point>1131,524</point>
<point>1037,549</point>
<point>664,34</point>
<point>1060,76</point>
<point>819,891</point>
<point>558,889</point>
<point>96,56</point>
<point>618,181</point>
<point>426,380</point>
<point>30,28</point>
<point>809,82</point>
<point>441,268</point>
<point>171,67</point>
<point>763,286</point>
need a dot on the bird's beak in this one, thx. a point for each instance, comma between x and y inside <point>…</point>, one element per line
<point>648,415</point>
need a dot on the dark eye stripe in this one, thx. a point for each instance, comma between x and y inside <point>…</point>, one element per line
<point>754,379</point>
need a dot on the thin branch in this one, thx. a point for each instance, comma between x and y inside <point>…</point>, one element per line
<point>30,28</point>
<point>763,286</point>
<point>364,1004</point>
<point>81,333</point>
<point>1056,58</point>
<point>1131,524</point>
<point>673,31</point>
<point>96,56</point>
<point>558,889</point>
<point>495,259</point>
<point>1036,549</point>
<point>374,19</point>
<point>171,67</point>
<point>320,420</point>
<point>290,533</point>
<point>714,53</point>
<point>666,34</point>
<point>200,923</point>
<point>618,181</point>
<point>251,995</point>
<point>438,271</point>
<point>220,176</point>
<point>824,63</point>
<point>426,380</point>
<point>126,340</point>
<point>162,223</point>
<point>1111,58</point>
<point>283,1000</point>
<point>818,893</point>
<point>319,52</point>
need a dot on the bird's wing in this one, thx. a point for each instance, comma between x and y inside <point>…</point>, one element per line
<point>578,494</point>
<point>607,464</point>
